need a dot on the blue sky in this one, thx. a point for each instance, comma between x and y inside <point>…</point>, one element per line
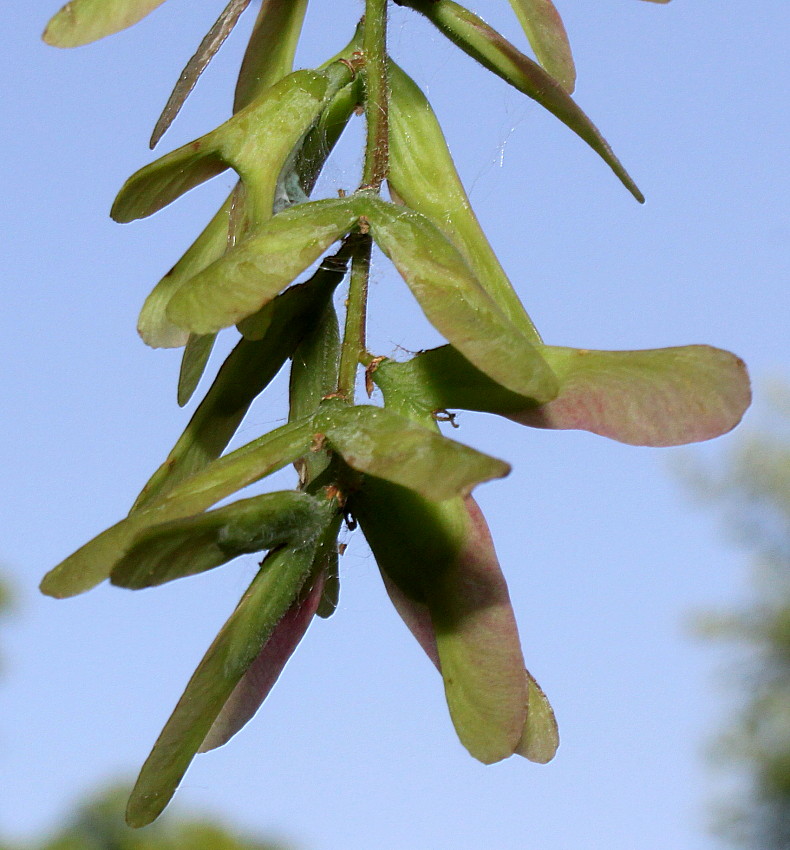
<point>605,555</point>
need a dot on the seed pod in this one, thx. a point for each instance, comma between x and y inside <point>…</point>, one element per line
<point>232,223</point>
<point>314,370</point>
<point>268,58</point>
<point>454,301</point>
<point>256,142</point>
<point>378,442</point>
<point>322,137</point>
<point>439,566</point>
<point>494,52</point>
<point>254,272</point>
<point>659,397</point>
<point>440,555</point>
<point>94,561</point>
<point>245,373</point>
<point>261,676</point>
<point>185,547</point>
<point>272,593</point>
<point>423,175</point>
<point>314,373</point>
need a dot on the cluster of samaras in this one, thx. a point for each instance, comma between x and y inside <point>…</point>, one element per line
<point>388,466</point>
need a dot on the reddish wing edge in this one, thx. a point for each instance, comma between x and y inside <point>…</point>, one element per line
<point>256,684</point>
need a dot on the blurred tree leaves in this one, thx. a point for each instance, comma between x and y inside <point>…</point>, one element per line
<point>5,596</point>
<point>6,604</point>
<point>98,824</point>
<point>753,493</point>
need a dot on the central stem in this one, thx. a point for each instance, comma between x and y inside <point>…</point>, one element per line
<point>374,46</point>
<point>374,49</point>
<point>356,312</point>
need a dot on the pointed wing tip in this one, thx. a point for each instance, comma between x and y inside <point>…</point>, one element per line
<point>160,128</point>
<point>143,808</point>
<point>49,39</point>
<point>53,585</point>
<point>156,332</point>
<point>139,813</point>
<point>135,822</point>
<point>120,213</point>
<point>62,44</point>
<point>491,758</point>
<point>625,178</point>
<point>491,752</point>
<point>541,747</point>
<point>540,738</point>
<point>501,470</point>
<point>735,407</point>
<point>743,385</point>
<point>215,741</point>
<point>59,34</point>
<point>540,757</point>
<point>708,403</point>
<point>56,35</point>
<point>167,339</point>
<point>125,209</point>
<point>49,588</point>
<point>566,75</point>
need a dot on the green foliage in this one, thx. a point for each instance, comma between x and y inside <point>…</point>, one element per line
<point>389,466</point>
<point>6,597</point>
<point>754,494</point>
<point>98,824</point>
<point>6,606</point>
